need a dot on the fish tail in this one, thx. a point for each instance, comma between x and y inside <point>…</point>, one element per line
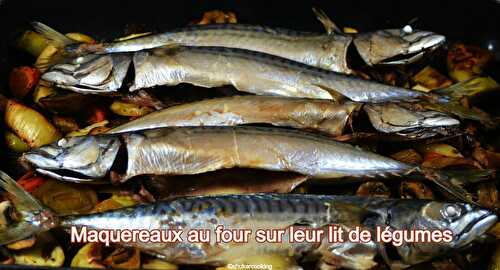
<point>454,181</point>
<point>33,216</point>
<point>54,37</point>
<point>327,23</point>
<point>449,102</point>
<point>59,41</point>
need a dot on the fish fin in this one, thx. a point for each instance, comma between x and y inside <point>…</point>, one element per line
<point>452,95</point>
<point>336,96</point>
<point>453,181</point>
<point>327,23</point>
<point>34,216</point>
<point>455,108</point>
<point>54,37</point>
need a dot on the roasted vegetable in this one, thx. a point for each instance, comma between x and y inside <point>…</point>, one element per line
<point>45,252</point>
<point>22,244</point>
<point>217,16</point>
<point>466,61</point>
<point>124,258</point>
<point>15,143</point>
<point>32,43</point>
<point>87,130</point>
<point>65,124</point>
<point>31,126</point>
<point>116,201</point>
<point>31,182</point>
<point>22,80</point>
<point>129,109</point>
<point>409,156</point>
<point>415,190</point>
<point>42,90</point>
<point>276,261</point>
<point>66,198</point>
<point>376,189</point>
<point>429,78</point>
<point>89,256</point>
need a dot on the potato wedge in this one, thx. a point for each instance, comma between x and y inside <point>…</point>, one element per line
<point>149,263</point>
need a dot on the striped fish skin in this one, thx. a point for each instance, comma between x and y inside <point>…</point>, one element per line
<point>256,73</point>
<point>327,51</point>
<point>194,150</point>
<point>315,49</point>
<point>273,211</point>
<point>319,115</point>
<point>247,71</point>
<point>253,212</point>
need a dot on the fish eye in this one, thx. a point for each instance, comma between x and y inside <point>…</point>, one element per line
<point>407,29</point>
<point>451,211</point>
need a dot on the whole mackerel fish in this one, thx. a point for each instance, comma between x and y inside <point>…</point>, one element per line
<point>312,114</point>
<point>247,71</point>
<point>194,150</point>
<point>319,115</point>
<point>464,222</point>
<point>323,50</point>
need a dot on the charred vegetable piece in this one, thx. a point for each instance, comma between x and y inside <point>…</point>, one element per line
<point>467,61</point>
<point>410,156</point>
<point>22,80</point>
<point>487,158</point>
<point>15,143</point>
<point>129,109</point>
<point>495,260</point>
<point>89,256</point>
<point>66,198</point>
<point>487,195</point>
<point>31,126</point>
<point>431,79</point>
<point>415,190</point>
<point>124,258</point>
<point>45,252</point>
<point>376,189</point>
<point>218,16</point>
<point>65,124</point>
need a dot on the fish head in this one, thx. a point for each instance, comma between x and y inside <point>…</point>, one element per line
<point>396,46</point>
<point>464,222</point>
<point>94,74</point>
<point>410,122</point>
<point>75,159</point>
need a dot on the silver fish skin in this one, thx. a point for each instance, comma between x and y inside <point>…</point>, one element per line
<point>194,150</point>
<point>327,51</point>
<point>247,71</point>
<point>266,211</point>
<point>408,122</point>
<point>320,115</point>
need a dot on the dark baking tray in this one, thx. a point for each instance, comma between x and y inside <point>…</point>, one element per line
<point>475,21</point>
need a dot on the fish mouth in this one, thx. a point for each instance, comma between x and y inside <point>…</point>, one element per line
<point>421,44</point>
<point>474,229</point>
